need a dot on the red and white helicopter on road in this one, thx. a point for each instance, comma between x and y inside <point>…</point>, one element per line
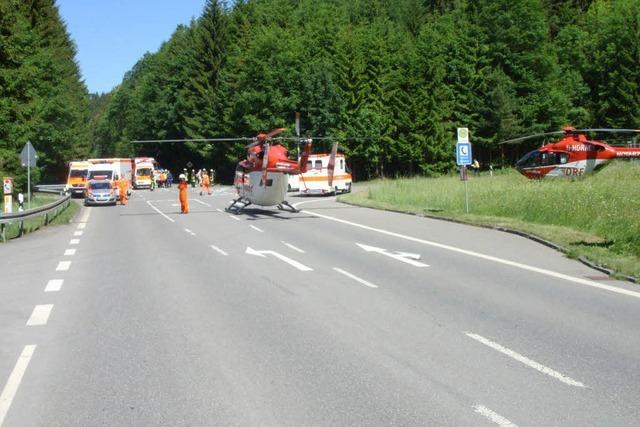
<point>262,178</point>
<point>573,155</point>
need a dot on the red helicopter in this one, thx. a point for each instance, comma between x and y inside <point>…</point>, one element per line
<point>573,155</point>
<point>263,177</point>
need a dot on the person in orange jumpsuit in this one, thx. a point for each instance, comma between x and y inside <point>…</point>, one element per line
<point>205,184</point>
<point>182,187</point>
<point>123,188</point>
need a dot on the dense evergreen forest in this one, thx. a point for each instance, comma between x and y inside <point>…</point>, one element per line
<point>404,73</point>
<point>42,97</point>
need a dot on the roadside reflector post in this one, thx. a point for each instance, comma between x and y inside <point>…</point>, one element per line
<point>464,159</point>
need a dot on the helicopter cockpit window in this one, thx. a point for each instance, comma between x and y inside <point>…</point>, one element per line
<point>563,158</point>
<point>530,160</point>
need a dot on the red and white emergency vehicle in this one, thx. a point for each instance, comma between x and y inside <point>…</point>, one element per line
<point>316,179</point>
<point>77,178</point>
<point>143,171</point>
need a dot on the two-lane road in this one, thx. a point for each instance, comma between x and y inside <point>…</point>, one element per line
<point>335,315</point>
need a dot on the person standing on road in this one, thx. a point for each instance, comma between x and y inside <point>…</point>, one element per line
<point>123,188</point>
<point>205,184</point>
<point>184,201</point>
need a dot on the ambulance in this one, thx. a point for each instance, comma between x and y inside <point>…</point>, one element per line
<point>316,179</point>
<point>77,179</point>
<point>143,171</point>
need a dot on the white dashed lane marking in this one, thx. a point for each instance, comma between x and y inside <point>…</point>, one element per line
<point>256,228</point>
<point>217,249</point>
<point>74,241</point>
<point>63,266</point>
<point>356,278</point>
<point>40,315</point>
<point>525,360</point>
<point>13,383</point>
<point>54,285</point>
<point>78,233</point>
<point>493,417</point>
<point>69,252</point>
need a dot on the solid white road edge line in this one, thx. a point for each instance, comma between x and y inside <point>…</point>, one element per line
<point>63,266</point>
<point>330,199</point>
<point>356,278</point>
<point>217,249</point>
<point>54,285</point>
<point>289,245</point>
<point>485,257</point>
<point>160,212</point>
<point>40,315</point>
<point>525,360</point>
<point>11,387</point>
<point>493,417</point>
<point>256,228</point>
<point>69,252</point>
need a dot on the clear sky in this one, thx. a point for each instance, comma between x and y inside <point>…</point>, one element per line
<point>112,35</point>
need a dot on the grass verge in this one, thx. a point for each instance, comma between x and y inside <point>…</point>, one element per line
<point>32,224</point>
<point>596,217</point>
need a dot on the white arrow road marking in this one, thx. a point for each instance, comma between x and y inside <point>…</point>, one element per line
<point>525,360</point>
<point>493,417</point>
<point>281,257</point>
<point>10,389</point>
<point>405,257</point>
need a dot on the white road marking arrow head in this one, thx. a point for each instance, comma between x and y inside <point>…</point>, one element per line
<point>405,257</point>
<point>281,257</point>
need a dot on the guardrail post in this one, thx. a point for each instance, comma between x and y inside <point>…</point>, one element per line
<point>46,219</point>
<point>2,232</point>
<point>21,230</point>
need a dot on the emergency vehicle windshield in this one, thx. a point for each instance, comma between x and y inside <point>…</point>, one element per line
<point>143,172</point>
<point>77,173</point>
<point>100,185</point>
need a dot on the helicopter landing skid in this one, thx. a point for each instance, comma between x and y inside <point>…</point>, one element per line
<point>289,208</point>
<point>237,205</point>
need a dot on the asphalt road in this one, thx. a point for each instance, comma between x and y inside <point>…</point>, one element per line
<point>335,315</point>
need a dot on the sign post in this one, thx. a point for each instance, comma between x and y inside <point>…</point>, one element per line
<point>463,159</point>
<point>7,190</point>
<point>29,157</point>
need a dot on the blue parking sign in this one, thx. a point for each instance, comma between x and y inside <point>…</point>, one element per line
<point>463,153</point>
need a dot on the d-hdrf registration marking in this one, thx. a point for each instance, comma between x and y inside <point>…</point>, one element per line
<point>405,257</point>
<point>291,262</point>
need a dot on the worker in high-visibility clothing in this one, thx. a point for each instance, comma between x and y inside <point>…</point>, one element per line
<point>182,187</point>
<point>123,188</point>
<point>205,184</point>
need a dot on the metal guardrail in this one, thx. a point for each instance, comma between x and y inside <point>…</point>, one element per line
<point>45,210</point>
<point>51,188</point>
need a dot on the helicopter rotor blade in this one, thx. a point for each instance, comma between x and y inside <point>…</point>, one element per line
<point>149,141</point>
<point>605,130</point>
<point>537,135</point>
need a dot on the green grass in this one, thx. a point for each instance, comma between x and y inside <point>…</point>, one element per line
<point>596,217</point>
<point>33,224</point>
